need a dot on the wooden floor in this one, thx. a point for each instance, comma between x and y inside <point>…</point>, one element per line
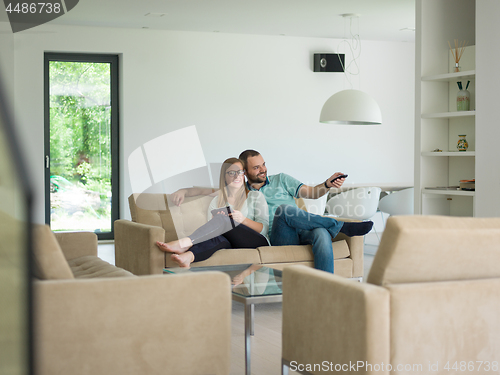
<point>266,343</point>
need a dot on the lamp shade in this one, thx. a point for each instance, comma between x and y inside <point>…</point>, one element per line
<point>351,107</point>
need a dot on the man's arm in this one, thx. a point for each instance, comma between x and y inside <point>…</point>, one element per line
<point>179,195</point>
<point>314,192</point>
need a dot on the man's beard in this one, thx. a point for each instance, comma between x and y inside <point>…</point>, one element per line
<point>257,179</point>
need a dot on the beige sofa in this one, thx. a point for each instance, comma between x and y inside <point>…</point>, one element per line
<point>155,218</point>
<point>431,300</point>
<point>92,318</point>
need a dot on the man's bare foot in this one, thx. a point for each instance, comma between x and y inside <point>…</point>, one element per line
<point>183,260</point>
<point>176,247</point>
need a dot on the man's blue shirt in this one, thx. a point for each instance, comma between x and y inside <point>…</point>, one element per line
<point>279,189</point>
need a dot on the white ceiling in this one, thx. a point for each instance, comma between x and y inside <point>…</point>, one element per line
<point>379,19</point>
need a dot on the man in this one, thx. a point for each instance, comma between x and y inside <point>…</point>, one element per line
<point>290,225</point>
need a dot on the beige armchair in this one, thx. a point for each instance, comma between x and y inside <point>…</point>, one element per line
<point>92,318</point>
<point>430,305</point>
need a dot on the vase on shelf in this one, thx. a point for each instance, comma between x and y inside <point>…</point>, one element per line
<point>457,68</point>
<point>463,100</point>
<point>462,144</point>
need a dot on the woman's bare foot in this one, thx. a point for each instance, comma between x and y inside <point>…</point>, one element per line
<point>183,260</point>
<point>176,247</point>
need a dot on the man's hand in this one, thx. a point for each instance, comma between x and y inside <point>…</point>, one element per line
<point>337,183</point>
<point>178,197</point>
<point>314,192</point>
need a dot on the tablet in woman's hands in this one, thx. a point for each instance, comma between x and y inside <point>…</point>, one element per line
<point>222,210</point>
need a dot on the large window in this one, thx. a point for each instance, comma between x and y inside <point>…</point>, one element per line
<point>81,143</point>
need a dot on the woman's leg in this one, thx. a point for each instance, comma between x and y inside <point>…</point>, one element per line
<point>213,228</point>
<point>206,249</point>
<point>183,260</point>
<point>201,251</point>
<point>176,247</point>
<point>239,237</point>
<point>245,237</point>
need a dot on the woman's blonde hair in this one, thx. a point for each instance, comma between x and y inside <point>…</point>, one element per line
<point>240,196</point>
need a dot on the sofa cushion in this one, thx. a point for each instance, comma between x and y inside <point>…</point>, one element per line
<point>90,266</point>
<point>178,221</point>
<point>282,266</point>
<point>299,253</point>
<point>436,248</point>
<point>341,267</point>
<point>189,216</point>
<point>225,257</point>
<point>77,244</point>
<point>147,208</point>
<point>49,261</point>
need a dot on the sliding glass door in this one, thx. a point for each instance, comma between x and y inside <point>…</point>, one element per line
<point>81,143</point>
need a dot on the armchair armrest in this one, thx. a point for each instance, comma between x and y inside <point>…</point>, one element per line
<point>135,247</point>
<point>136,325</point>
<point>330,318</point>
<point>77,244</point>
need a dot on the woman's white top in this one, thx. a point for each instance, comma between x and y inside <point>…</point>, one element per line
<point>254,208</point>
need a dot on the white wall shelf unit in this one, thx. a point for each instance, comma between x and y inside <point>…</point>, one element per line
<point>464,193</point>
<point>438,123</point>
<point>449,114</point>
<point>451,77</point>
<point>449,153</point>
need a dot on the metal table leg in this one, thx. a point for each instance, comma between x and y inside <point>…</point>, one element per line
<point>252,316</point>
<point>248,331</point>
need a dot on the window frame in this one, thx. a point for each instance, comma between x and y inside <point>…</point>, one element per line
<point>113,60</point>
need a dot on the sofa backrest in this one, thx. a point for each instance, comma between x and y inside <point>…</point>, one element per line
<point>49,260</point>
<point>178,221</point>
<point>437,248</point>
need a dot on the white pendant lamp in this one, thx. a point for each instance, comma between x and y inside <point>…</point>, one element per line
<point>351,107</point>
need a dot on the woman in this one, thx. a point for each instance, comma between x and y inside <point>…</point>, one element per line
<point>244,225</point>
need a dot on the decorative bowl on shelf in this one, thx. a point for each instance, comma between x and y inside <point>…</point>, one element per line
<point>468,185</point>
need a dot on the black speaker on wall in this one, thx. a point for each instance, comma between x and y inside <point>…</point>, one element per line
<point>329,62</point>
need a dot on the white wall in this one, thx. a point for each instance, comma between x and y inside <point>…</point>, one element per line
<point>487,123</point>
<point>241,92</point>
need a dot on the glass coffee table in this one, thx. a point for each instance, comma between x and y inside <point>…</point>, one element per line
<point>252,284</point>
